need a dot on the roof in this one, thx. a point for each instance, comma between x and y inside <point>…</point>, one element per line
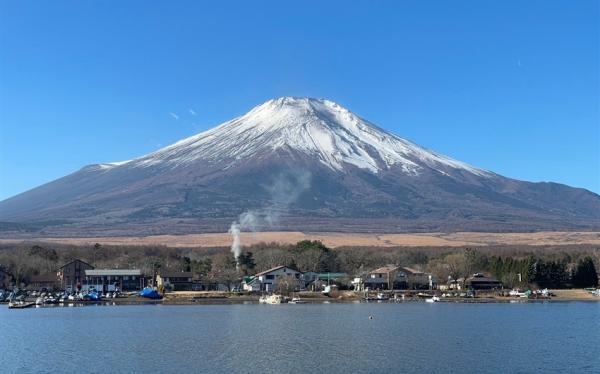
<point>102,272</point>
<point>250,279</point>
<point>481,278</point>
<point>386,269</point>
<point>275,269</point>
<point>72,261</point>
<point>411,270</point>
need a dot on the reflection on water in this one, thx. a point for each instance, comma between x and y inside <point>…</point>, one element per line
<point>334,338</point>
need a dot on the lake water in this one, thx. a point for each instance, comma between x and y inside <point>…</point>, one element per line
<point>319,338</point>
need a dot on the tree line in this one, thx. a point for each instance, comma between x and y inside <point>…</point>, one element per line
<point>542,266</point>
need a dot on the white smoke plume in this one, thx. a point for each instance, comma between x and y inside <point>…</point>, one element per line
<point>285,190</point>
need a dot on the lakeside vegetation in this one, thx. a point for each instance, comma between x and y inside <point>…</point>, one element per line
<point>560,266</point>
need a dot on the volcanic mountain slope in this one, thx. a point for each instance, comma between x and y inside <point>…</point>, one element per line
<point>300,164</point>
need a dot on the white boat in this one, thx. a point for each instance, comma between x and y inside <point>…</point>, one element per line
<point>50,300</point>
<point>297,300</point>
<point>19,304</point>
<point>517,293</point>
<point>434,299</point>
<point>382,297</point>
<point>271,299</point>
<point>39,301</point>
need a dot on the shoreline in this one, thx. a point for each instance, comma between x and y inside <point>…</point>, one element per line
<point>349,297</point>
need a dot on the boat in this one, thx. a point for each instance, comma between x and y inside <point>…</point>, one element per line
<point>50,300</point>
<point>271,299</point>
<point>433,299</point>
<point>19,304</point>
<point>379,297</point>
<point>518,293</point>
<point>274,299</point>
<point>39,301</point>
<point>297,300</point>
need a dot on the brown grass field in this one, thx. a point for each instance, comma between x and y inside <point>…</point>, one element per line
<point>459,239</point>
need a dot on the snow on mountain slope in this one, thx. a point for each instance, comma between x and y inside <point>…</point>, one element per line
<point>362,178</point>
<point>311,126</point>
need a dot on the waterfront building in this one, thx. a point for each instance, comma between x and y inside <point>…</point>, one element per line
<point>452,284</point>
<point>175,281</point>
<point>48,281</point>
<point>393,277</point>
<point>208,285</point>
<point>480,282</point>
<point>72,274</point>
<point>269,280</point>
<point>312,276</point>
<point>418,280</point>
<point>387,277</point>
<point>109,280</point>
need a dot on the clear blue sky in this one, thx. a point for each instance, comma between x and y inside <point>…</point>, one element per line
<point>510,86</point>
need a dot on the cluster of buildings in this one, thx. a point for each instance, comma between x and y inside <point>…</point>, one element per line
<point>78,274</point>
<point>389,277</point>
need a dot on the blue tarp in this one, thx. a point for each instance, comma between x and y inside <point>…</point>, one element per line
<point>92,296</point>
<point>150,293</point>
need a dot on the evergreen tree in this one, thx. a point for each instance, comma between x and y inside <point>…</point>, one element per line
<point>585,274</point>
<point>246,263</point>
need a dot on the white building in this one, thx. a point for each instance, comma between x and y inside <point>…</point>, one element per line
<point>268,280</point>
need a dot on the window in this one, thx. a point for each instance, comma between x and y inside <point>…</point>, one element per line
<point>270,276</point>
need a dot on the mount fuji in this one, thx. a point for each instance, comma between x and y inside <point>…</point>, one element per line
<point>294,164</point>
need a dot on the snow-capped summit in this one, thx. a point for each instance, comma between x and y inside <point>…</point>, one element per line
<point>316,127</point>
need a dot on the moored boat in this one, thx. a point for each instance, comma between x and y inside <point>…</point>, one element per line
<point>19,304</point>
<point>271,299</point>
